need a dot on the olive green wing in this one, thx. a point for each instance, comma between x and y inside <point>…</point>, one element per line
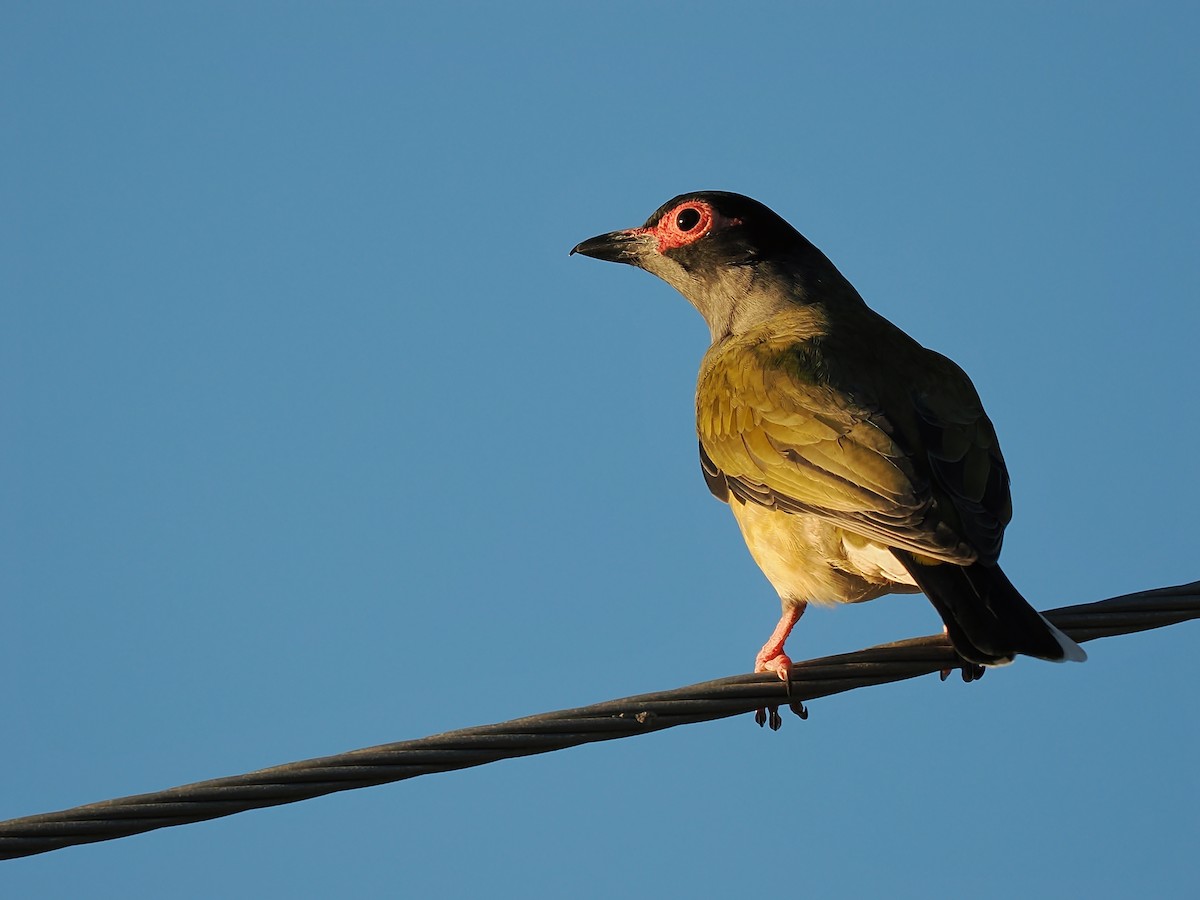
<point>775,430</point>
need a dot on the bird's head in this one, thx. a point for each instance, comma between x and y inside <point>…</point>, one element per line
<point>733,258</point>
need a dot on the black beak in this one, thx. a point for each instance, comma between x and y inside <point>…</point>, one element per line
<point>616,246</point>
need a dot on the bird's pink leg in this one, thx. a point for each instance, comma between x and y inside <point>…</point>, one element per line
<point>771,657</point>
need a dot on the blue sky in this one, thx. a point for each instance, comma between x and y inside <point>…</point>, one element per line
<point>315,438</point>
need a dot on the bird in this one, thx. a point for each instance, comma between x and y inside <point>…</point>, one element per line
<point>856,462</point>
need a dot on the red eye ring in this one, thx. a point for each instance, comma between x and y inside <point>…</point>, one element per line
<point>684,225</point>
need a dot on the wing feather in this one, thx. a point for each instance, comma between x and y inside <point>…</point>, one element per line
<point>925,475</point>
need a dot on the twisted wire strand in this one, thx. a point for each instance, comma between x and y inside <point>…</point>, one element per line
<point>546,732</point>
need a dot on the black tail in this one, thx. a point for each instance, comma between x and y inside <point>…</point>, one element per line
<point>987,620</point>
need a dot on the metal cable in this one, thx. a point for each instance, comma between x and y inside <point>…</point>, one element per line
<point>556,730</point>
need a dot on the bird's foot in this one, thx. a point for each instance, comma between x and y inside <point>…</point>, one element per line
<point>970,672</point>
<point>771,658</point>
<point>770,715</point>
<point>781,665</point>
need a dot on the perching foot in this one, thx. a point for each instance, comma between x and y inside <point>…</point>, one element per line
<point>970,672</point>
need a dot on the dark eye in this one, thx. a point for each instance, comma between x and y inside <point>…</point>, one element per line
<point>687,219</point>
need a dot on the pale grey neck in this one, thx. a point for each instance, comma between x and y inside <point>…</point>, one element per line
<point>743,298</point>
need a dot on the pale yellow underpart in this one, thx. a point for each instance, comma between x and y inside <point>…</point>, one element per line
<point>808,559</point>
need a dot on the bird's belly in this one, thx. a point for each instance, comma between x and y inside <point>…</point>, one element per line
<point>808,558</point>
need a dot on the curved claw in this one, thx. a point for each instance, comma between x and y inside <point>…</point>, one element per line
<point>970,672</point>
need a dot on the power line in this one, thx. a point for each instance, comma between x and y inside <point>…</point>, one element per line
<point>543,733</point>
